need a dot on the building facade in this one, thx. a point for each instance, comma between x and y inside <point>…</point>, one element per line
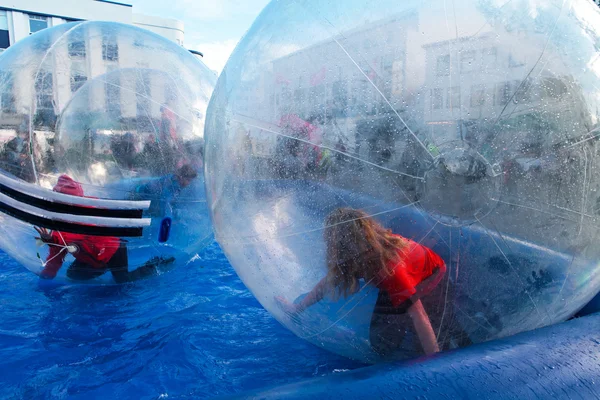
<point>107,83</point>
<point>72,64</point>
<point>21,19</point>
<point>369,86</point>
<point>339,92</point>
<point>476,80</point>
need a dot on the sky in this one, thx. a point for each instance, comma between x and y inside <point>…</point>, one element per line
<point>213,27</point>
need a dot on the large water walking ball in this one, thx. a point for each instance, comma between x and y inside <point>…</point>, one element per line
<point>119,113</point>
<point>470,127</point>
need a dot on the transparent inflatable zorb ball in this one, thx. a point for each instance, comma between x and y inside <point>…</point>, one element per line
<point>468,128</point>
<point>102,153</point>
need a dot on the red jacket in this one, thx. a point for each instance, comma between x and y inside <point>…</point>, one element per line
<point>94,251</point>
<point>417,264</point>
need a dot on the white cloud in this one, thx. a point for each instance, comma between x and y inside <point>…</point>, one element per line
<point>220,9</point>
<point>204,10</point>
<point>216,54</point>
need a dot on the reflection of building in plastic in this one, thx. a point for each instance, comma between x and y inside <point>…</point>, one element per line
<point>74,61</point>
<point>335,83</point>
<point>519,109</point>
<point>489,89</point>
<point>99,53</point>
<point>472,83</point>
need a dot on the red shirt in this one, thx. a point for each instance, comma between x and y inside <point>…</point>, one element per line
<point>416,265</point>
<point>94,251</point>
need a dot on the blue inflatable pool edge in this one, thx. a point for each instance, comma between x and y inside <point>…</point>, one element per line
<point>556,362</point>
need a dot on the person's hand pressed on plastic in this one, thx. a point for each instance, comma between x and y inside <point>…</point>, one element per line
<point>287,307</point>
<point>45,234</point>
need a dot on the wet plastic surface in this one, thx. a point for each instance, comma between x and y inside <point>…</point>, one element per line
<point>121,111</point>
<point>470,127</point>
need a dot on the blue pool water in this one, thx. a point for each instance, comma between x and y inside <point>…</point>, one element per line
<point>195,332</point>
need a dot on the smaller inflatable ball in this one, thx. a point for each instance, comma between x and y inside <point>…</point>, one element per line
<point>102,153</point>
<point>396,180</point>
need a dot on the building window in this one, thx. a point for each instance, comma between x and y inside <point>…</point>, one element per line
<point>37,23</point>
<point>467,61</point>
<point>4,35</point>
<point>77,49</point>
<point>77,81</point>
<point>110,46</point>
<point>7,97</point>
<point>443,65</point>
<point>453,97</point>
<point>112,97</point>
<point>44,91</point>
<point>502,94</point>
<point>340,97</point>
<point>44,95</point>
<point>142,92</point>
<point>437,99</point>
<point>522,90</point>
<point>477,95</point>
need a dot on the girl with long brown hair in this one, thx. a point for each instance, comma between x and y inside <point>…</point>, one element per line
<point>359,248</point>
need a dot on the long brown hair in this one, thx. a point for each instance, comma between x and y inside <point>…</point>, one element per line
<point>358,247</point>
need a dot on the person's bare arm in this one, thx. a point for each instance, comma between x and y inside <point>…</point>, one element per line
<point>423,327</point>
<point>314,296</point>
